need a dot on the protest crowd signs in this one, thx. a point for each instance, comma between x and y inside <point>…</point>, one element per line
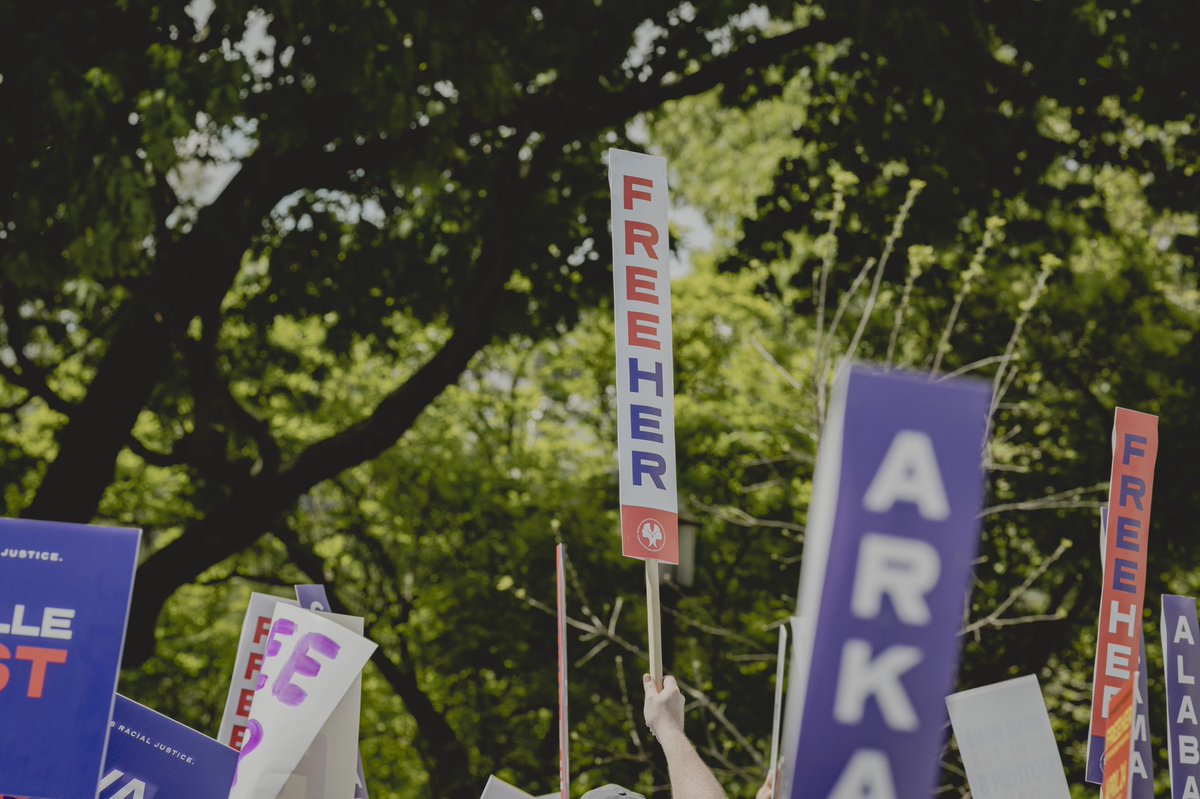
<point>893,529</point>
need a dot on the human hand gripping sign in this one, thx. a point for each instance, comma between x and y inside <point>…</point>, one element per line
<point>310,663</point>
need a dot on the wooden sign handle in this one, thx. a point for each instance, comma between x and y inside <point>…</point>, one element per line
<point>654,623</point>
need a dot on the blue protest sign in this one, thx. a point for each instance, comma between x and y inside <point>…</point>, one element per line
<point>892,533</point>
<point>1181,661</point>
<point>151,756</point>
<point>1141,766</point>
<point>64,601</point>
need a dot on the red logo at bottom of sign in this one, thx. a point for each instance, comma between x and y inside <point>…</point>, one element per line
<point>650,534</point>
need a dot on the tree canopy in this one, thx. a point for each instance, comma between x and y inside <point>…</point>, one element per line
<point>318,292</point>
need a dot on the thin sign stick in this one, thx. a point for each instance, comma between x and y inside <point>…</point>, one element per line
<point>779,667</point>
<point>564,741</point>
<point>654,623</point>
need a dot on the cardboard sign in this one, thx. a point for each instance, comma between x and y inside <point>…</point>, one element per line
<point>252,648</point>
<point>152,756</point>
<point>64,602</point>
<point>1141,767</point>
<point>310,664</point>
<point>564,729</point>
<point>1006,742</point>
<point>314,598</point>
<point>892,532</point>
<point>1181,662</point>
<point>645,362</point>
<point>1118,745</point>
<point>1135,448</point>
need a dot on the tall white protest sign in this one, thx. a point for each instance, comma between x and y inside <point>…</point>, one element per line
<point>645,360</point>
<point>329,766</point>
<point>1006,742</point>
<point>314,597</point>
<point>310,664</point>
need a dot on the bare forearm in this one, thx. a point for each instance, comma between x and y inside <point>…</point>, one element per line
<point>690,777</point>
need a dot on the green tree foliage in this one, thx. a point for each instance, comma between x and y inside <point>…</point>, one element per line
<point>316,293</point>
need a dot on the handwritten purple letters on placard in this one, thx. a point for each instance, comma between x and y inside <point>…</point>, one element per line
<point>311,660</point>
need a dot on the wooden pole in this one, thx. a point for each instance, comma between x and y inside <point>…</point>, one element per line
<point>654,623</point>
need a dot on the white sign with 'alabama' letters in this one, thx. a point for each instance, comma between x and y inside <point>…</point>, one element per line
<point>645,382</point>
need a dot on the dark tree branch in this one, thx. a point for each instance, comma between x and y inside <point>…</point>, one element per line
<point>604,109</point>
<point>192,276</point>
<point>164,460</point>
<point>254,506</point>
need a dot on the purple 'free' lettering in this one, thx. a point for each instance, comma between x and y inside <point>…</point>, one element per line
<point>306,666</point>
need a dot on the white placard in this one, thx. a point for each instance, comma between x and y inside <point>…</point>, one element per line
<point>330,765</point>
<point>1007,746</point>
<point>645,360</point>
<point>310,664</point>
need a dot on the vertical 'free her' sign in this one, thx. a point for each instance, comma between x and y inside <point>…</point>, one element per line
<point>1135,449</point>
<point>645,379</point>
<point>892,533</point>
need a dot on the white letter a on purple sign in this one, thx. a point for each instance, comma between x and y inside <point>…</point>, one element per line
<point>868,775</point>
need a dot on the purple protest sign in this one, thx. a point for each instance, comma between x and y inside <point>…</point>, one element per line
<point>1181,661</point>
<point>1141,765</point>
<point>892,533</point>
